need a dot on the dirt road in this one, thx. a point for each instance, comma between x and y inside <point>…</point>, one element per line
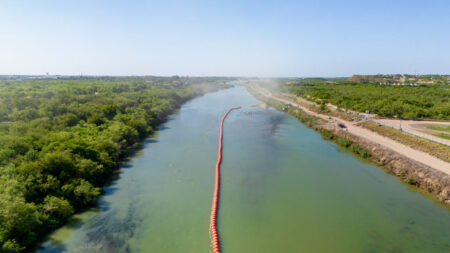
<point>412,154</point>
<point>417,128</point>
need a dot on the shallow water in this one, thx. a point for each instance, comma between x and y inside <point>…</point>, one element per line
<point>284,189</point>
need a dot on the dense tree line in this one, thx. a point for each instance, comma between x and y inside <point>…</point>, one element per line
<point>407,102</point>
<point>61,139</point>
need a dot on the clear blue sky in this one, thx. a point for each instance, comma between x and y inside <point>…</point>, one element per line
<point>238,38</point>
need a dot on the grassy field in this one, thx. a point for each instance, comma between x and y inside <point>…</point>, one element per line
<point>407,102</point>
<point>438,150</point>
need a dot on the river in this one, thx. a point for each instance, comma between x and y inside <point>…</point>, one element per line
<point>284,189</point>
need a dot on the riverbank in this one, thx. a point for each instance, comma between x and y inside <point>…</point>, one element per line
<point>285,189</point>
<point>432,180</point>
<point>56,160</point>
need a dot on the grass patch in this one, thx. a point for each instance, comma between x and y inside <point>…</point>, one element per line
<point>438,150</point>
<point>443,136</point>
<point>305,118</point>
<point>439,128</point>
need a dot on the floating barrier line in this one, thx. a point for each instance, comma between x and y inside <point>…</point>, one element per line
<point>213,225</point>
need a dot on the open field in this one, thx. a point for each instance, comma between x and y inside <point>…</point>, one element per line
<point>407,102</point>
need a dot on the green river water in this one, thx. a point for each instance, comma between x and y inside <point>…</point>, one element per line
<point>284,189</point>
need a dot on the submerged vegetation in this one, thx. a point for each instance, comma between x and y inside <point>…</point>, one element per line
<point>61,139</point>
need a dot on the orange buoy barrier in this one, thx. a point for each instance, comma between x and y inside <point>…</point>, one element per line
<point>213,227</point>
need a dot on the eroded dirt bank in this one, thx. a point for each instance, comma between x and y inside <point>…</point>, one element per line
<point>409,171</point>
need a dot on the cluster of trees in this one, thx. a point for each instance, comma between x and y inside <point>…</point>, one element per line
<point>61,139</point>
<point>407,102</point>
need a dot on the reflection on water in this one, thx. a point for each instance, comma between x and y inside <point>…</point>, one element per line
<point>284,189</point>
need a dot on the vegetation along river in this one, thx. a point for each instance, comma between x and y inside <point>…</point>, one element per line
<point>284,189</point>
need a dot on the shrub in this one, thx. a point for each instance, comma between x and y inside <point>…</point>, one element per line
<point>410,180</point>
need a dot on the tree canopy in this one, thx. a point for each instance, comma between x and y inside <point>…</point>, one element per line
<point>61,138</point>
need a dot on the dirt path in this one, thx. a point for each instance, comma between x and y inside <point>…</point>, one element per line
<point>413,127</point>
<point>412,154</point>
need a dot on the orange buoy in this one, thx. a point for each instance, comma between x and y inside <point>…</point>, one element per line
<point>213,225</point>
